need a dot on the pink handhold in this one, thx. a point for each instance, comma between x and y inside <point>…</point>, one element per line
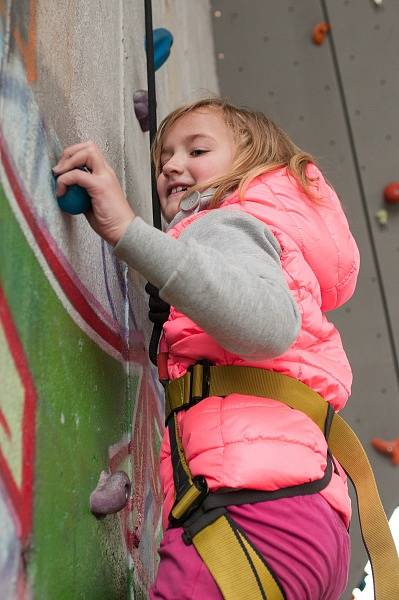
<point>140,102</point>
<point>111,494</point>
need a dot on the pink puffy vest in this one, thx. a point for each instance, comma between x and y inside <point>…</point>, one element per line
<point>246,441</point>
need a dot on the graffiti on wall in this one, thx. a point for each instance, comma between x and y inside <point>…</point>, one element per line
<point>141,517</point>
<point>17,450</point>
<point>93,292</point>
<point>22,17</point>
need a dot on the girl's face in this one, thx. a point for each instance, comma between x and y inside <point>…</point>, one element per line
<point>198,147</point>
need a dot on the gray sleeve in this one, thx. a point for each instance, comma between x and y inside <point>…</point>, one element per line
<point>224,273</point>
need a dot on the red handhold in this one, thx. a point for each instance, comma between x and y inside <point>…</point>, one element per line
<point>391,193</point>
<point>319,32</point>
<point>389,447</point>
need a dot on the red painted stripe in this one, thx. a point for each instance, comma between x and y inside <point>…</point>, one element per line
<point>75,296</point>
<point>115,460</point>
<point>22,498</point>
<point>4,424</point>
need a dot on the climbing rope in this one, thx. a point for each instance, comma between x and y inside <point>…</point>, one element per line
<point>152,112</point>
<point>152,106</point>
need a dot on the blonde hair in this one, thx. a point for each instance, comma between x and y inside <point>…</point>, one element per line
<point>262,146</point>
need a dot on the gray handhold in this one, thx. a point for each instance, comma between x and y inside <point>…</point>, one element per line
<point>140,102</point>
<point>111,493</point>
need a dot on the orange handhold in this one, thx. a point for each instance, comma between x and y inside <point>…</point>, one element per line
<point>391,193</point>
<point>319,32</point>
<point>389,447</point>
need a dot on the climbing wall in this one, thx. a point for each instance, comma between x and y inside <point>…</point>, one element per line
<point>338,100</point>
<point>77,392</point>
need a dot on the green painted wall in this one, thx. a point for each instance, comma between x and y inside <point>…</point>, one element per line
<point>81,409</point>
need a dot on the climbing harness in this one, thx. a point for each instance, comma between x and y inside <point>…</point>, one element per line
<point>221,544</point>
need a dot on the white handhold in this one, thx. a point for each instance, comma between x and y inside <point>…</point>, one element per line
<point>382,217</point>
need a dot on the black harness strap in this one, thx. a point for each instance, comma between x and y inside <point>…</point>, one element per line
<point>236,498</point>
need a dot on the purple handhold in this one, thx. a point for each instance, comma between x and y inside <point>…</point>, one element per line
<point>111,494</point>
<point>140,102</point>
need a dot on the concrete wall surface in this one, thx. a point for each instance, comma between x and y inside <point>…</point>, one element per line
<point>338,101</point>
<point>77,392</point>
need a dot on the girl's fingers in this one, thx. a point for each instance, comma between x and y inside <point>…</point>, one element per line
<point>76,176</point>
<point>88,155</point>
<point>70,150</point>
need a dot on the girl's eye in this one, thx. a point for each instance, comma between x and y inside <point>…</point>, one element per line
<point>198,152</point>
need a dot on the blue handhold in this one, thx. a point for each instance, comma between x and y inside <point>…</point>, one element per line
<point>162,40</point>
<point>75,201</point>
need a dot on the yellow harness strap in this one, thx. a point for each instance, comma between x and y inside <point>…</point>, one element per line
<point>238,570</point>
<point>344,445</point>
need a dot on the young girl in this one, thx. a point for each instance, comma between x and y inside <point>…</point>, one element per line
<point>257,250</point>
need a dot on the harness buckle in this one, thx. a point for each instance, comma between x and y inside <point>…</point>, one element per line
<point>191,388</point>
<point>191,499</point>
<point>199,381</point>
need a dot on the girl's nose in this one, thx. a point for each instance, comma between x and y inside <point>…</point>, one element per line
<point>173,165</point>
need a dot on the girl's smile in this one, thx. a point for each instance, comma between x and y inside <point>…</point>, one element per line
<point>198,147</point>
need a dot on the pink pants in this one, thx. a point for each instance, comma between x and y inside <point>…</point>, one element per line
<point>303,540</point>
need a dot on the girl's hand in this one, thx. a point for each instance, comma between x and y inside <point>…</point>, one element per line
<point>111,213</point>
